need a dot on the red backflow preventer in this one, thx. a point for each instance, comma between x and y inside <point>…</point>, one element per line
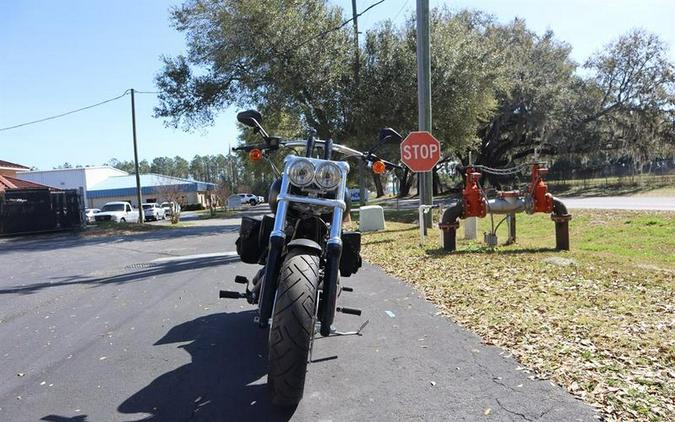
<point>474,201</point>
<point>542,200</point>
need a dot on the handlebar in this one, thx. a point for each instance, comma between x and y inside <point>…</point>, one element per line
<point>272,144</point>
<point>248,148</point>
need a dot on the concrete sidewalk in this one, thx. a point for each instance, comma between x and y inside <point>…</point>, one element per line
<point>607,202</point>
<point>622,203</point>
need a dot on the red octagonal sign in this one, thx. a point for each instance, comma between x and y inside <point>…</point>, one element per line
<point>420,151</point>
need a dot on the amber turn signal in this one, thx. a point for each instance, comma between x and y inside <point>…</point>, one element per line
<point>379,167</point>
<point>255,154</point>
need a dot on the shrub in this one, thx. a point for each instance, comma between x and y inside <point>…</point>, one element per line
<point>193,207</point>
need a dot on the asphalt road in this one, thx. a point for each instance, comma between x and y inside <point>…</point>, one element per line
<point>130,328</point>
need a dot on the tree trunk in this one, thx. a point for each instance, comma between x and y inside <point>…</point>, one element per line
<point>438,189</point>
<point>378,184</point>
<point>405,183</point>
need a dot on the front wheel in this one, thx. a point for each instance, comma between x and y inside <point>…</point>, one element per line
<point>292,326</point>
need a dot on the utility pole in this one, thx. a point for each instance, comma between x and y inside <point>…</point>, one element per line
<point>357,79</point>
<point>425,180</point>
<point>357,65</point>
<point>357,61</point>
<point>141,217</point>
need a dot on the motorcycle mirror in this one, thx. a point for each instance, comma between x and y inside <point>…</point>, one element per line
<point>388,134</point>
<point>250,118</point>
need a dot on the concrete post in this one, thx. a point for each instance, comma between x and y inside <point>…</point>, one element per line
<point>470,228</point>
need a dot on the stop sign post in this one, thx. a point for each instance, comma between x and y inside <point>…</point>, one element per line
<point>420,151</point>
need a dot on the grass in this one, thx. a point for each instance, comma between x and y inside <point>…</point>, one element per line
<point>219,213</point>
<point>598,322</point>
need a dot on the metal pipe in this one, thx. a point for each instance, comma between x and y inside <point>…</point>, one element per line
<point>449,225</point>
<point>562,220</point>
<point>508,205</point>
<point>511,220</point>
<point>558,207</point>
<point>339,207</point>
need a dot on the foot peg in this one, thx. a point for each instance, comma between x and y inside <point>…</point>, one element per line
<point>350,311</point>
<point>347,289</point>
<point>240,279</point>
<point>228,294</point>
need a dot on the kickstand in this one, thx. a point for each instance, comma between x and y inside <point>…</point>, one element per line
<point>335,332</point>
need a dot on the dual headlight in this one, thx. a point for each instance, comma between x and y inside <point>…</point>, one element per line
<point>303,172</point>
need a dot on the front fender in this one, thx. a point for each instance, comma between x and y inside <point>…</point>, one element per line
<point>304,243</point>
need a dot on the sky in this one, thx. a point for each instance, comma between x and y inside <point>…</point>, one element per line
<point>56,56</point>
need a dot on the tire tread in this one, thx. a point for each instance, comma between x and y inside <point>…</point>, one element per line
<point>292,326</point>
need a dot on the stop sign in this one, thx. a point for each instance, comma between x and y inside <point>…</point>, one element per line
<point>420,151</point>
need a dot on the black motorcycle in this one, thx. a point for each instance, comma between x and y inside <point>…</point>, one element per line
<point>302,248</point>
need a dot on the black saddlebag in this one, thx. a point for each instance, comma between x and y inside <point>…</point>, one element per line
<point>266,227</point>
<point>254,237</point>
<point>350,261</point>
<point>248,243</point>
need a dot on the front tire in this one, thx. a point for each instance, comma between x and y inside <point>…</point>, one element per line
<point>292,326</point>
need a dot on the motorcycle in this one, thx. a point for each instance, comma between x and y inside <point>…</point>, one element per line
<point>303,249</point>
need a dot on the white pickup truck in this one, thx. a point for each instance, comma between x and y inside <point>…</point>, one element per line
<point>118,212</point>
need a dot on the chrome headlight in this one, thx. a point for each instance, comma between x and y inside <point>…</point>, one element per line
<point>328,175</point>
<point>301,172</point>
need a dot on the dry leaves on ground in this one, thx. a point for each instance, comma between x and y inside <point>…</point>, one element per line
<point>601,330</point>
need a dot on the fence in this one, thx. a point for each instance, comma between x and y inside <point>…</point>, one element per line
<point>39,210</point>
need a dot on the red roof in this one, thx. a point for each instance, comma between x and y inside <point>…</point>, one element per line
<point>7,164</point>
<point>7,182</point>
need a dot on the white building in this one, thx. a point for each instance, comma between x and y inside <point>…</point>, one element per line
<point>154,188</point>
<point>75,178</point>
<point>105,184</point>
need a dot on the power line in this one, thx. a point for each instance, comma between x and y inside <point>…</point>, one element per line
<point>342,25</point>
<point>66,113</point>
<point>320,35</point>
<point>401,10</point>
<point>311,38</point>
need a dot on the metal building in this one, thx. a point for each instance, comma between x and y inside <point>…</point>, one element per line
<point>154,188</point>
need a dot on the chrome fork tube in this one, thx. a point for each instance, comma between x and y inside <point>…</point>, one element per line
<point>273,263</point>
<point>338,213</point>
<point>282,208</point>
<point>333,254</point>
